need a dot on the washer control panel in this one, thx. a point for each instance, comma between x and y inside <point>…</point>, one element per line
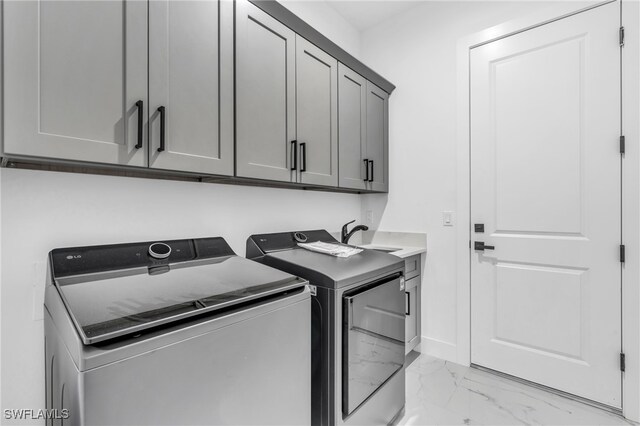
<point>92,259</point>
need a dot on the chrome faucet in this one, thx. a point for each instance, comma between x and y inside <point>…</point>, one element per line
<point>346,235</point>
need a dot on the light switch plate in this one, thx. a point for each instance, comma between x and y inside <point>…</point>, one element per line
<point>447,218</point>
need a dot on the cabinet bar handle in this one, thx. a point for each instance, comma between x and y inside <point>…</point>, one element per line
<point>366,168</point>
<point>303,157</point>
<point>408,310</point>
<point>162,118</point>
<point>140,106</point>
<point>371,177</point>
<point>294,155</point>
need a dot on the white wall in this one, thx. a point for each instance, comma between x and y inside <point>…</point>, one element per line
<point>327,21</point>
<point>417,52</point>
<point>44,210</point>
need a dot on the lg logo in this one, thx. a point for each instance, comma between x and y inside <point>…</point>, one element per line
<point>74,256</point>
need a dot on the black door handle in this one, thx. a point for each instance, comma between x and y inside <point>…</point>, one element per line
<point>294,155</point>
<point>371,177</point>
<point>480,246</point>
<point>140,106</point>
<point>161,110</point>
<point>408,310</point>
<point>303,157</point>
<point>366,168</point>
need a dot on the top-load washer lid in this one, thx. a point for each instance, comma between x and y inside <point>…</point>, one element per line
<point>281,251</point>
<point>111,291</point>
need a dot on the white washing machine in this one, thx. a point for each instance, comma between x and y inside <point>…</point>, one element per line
<point>175,333</point>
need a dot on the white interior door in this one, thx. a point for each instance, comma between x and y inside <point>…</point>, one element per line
<point>545,183</point>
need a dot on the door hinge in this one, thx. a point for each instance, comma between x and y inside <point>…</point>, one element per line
<point>621,37</point>
<point>622,253</point>
<point>622,361</point>
<point>622,144</point>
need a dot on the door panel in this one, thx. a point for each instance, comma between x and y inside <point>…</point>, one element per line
<point>352,128</point>
<point>317,114</point>
<point>411,324</point>
<point>186,50</point>
<point>557,328</point>
<point>84,112</point>
<point>265,95</point>
<point>529,155</point>
<point>545,182</point>
<point>378,136</point>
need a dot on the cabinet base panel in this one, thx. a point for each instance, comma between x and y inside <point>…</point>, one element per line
<point>135,172</point>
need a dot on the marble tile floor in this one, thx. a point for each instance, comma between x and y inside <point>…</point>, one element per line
<point>444,393</point>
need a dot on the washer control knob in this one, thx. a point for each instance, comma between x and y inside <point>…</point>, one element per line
<point>159,250</point>
<point>300,237</point>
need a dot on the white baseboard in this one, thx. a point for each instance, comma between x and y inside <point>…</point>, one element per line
<point>438,348</point>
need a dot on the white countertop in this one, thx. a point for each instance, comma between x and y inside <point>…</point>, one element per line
<point>406,243</point>
<point>403,251</point>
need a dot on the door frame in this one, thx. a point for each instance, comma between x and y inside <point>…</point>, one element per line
<point>630,127</point>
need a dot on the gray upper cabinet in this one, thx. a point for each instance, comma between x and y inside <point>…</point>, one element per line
<point>211,87</point>
<point>378,137</point>
<point>265,96</point>
<point>191,77</point>
<point>352,128</point>
<point>363,133</point>
<point>286,103</point>
<point>73,74</point>
<point>317,114</point>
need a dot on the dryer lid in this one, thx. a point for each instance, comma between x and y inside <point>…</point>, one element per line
<point>281,251</point>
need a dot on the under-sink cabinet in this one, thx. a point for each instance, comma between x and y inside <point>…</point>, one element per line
<point>83,80</point>
<point>412,288</point>
<point>286,104</point>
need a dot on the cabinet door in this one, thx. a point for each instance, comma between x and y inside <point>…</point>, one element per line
<point>191,76</point>
<point>352,128</point>
<point>73,73</point>
<point>317,114</point>
<point>378,137</point>
<point>265,95</point>
<point>411,311</point>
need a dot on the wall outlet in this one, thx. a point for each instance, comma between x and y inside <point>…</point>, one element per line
<point>369,216</point>
<point>447,218</point>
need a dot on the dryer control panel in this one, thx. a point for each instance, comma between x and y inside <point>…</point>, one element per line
<point>266,243</point>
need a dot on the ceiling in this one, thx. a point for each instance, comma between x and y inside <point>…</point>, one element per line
<point>364,14</point>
